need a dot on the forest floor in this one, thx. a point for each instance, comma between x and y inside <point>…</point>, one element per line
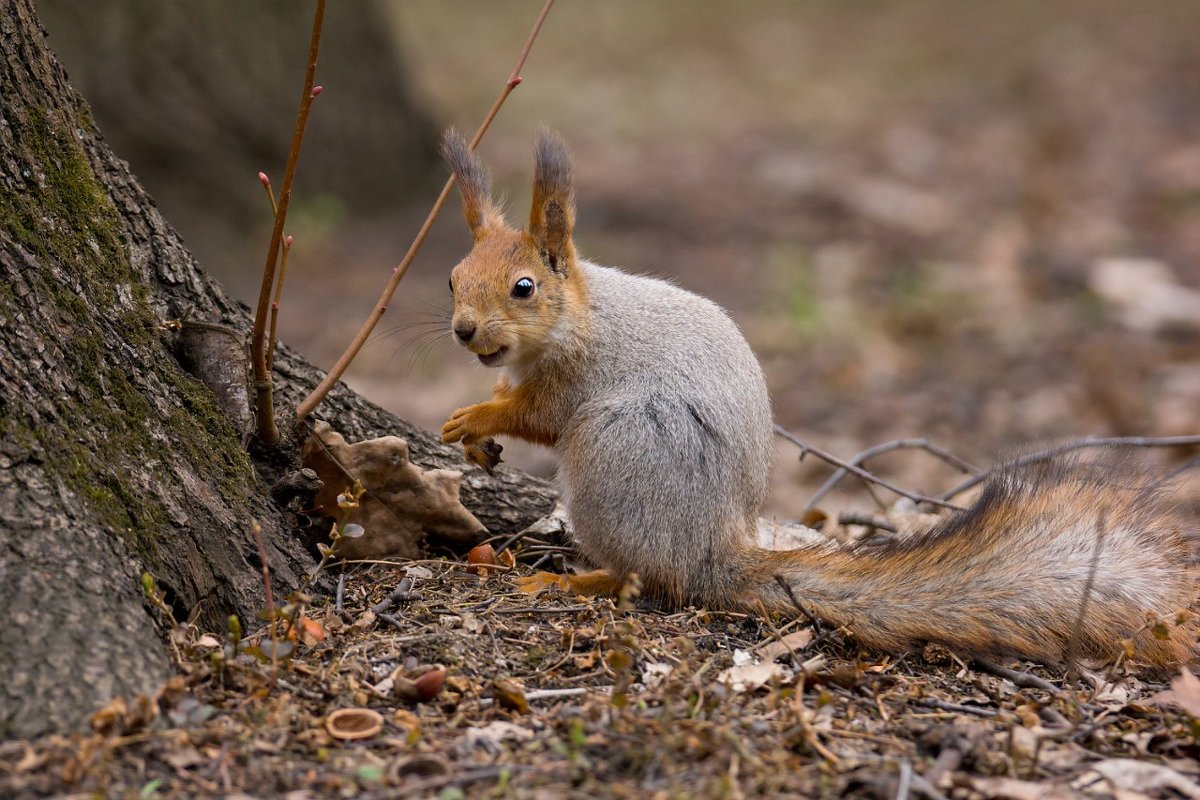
<point>931,220</point>
<point>556,696</point>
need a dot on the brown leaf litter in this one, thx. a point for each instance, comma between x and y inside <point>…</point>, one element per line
<point>559,696</point>
<point>402,502</point>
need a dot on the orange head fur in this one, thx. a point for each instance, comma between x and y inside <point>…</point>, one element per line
<point>515,287</point>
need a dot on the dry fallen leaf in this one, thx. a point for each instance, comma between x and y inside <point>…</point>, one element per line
<point>107,719</point>
<point>490,736</point>
<point>185,757</point>
<point>1013,789</point>
<point>1184,692</point>
<point>402,503</point>
<point>794,641</point>
<point>747,677</point>
<point>1139,776</point>
<point>656,674</point>
<point>119,717</point>
<point>774,535</point>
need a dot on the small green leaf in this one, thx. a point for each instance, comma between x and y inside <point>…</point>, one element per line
<point>370,773</point>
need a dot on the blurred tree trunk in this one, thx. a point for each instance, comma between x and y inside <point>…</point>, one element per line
<point>114,460</point>
<point>200,96</point>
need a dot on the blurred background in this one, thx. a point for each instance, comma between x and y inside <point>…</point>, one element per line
<point>977,223</point>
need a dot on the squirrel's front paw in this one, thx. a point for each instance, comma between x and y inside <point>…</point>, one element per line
<point>464,424</point>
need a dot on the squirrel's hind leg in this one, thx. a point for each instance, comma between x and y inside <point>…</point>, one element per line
<point>598,582</point>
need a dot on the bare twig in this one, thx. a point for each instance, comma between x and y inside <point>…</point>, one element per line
<point>266,430</point>
<point>393,621</point>
<point>287,248</point>
<point>958,708</point>
<point>266,573</point>
<point>860,472</point>
<point>425,787</point>
<point>551,694</point>
<point>904,779</point>
<point>821,631</point>
<point>787,588</point>
<point>1190,464</point>
<point>888,447</point>
<point>335,373</point>
<point>341,594</point>
<point>1025,680</point>
<point>778,634</point>
<point>541,610</point>
<point>1068,447</point>
<point>926,788</point>
<point>868,520</point>
<point>403,591</point>
<point>1073,642</point>
<point>961,742</point>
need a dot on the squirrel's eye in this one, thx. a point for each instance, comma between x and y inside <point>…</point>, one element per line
<point>523,288</point>
<point>452,286</point>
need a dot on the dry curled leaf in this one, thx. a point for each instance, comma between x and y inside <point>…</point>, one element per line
<point>402,503</point>
<point>509,695</point>
<point>792,642</point>
<point>121,718</point>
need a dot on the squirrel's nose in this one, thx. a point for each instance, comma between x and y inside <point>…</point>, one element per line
<point>464,330</point>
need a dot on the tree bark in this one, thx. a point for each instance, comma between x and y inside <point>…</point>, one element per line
<point>114,461</point>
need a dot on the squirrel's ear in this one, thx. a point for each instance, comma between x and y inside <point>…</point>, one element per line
<point>474,183</point>
<point>552,217</point>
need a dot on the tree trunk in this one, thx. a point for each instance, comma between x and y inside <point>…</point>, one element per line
<point>114,461</point>
<point>199,97</point>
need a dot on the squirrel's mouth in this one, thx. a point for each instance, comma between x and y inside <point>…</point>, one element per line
<point>493,358</point>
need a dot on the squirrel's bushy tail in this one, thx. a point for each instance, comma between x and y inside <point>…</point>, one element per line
<point>1010,574</point>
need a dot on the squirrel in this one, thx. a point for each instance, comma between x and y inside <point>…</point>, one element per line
<point>659,414</point>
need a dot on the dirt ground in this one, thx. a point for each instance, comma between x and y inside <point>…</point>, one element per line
<point>974,223</point>
<point>569,697</point>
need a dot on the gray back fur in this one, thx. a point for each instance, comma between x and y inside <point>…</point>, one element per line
<point>665,440</point>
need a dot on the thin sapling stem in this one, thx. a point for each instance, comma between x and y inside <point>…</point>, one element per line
<point>314,398</point>
<point>267,432</point>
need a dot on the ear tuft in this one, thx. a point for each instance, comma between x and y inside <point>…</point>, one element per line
<point>552,216</point>
<point>473,182</point>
